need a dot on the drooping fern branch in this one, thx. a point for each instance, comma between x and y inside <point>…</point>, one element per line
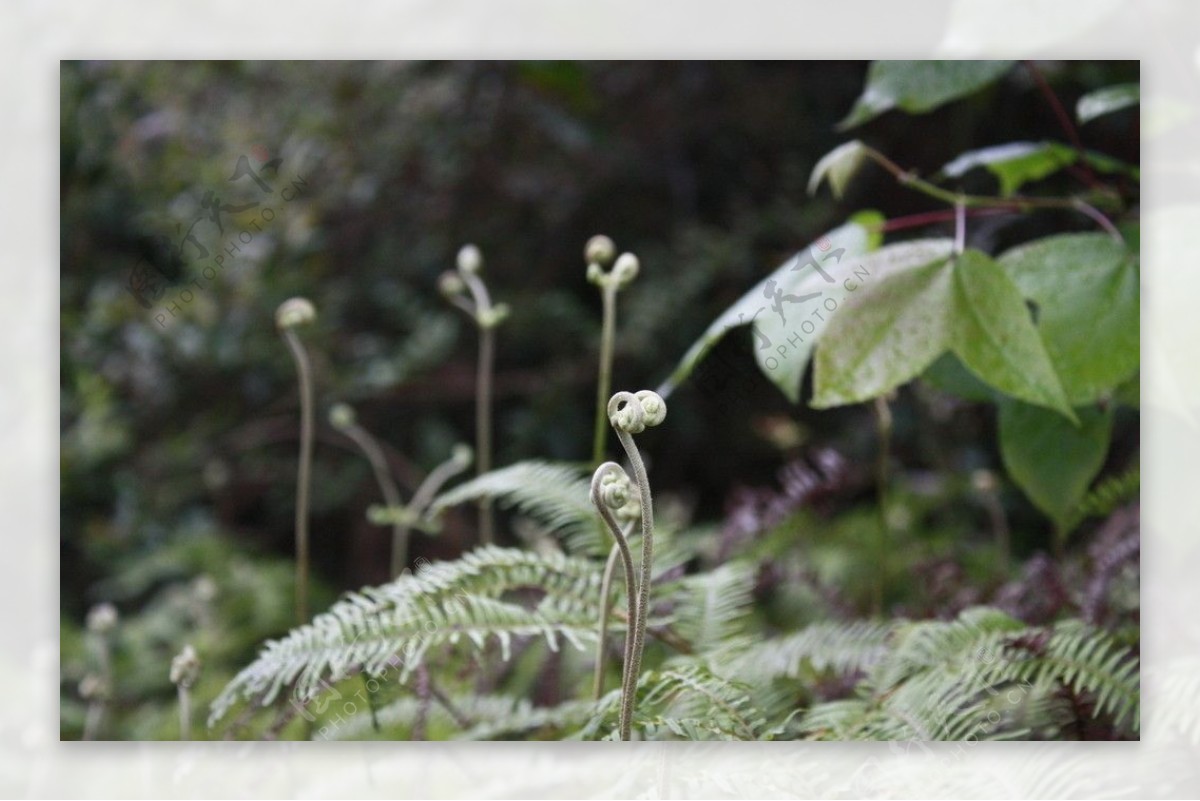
<point>396,626</point>
<point>554,494</point>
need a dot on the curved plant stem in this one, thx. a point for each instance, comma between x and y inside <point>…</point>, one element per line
<point>622,553</point>
<point>1101,220</point>
<point>634,669</point>
<point>185,712</point>
<point>1064,121</point>
<point>483,394</point>
<point>387,487</point>
<point>421,499</point>
<point>610,567</point>
<point>1017,202</point>
<point>604,382</point>
<point>629,670</point>
<point>304,473</point>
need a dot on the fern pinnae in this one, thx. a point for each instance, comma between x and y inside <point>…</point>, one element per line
<point>554,493</point>
<point>394,627</point>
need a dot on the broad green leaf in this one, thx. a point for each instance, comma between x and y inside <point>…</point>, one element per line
<point>948,375</point>
<point>1015,163</point>
<point>995,337</point>
<point>1051,460</point>
<point>1086,289</point>
<point>1106,101</point>
<point>796,278</point>
<point>886,335</point>
<point>839,166</point>
<point>919,86</point>
<point>896,328</point>
<point>784,343</point>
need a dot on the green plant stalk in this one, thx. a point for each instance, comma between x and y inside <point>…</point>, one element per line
<point>483,395</point>
<point>95,716</point>
<point>634,668</point>
<point>619,550</point>
<point>387,487</point>
<point>608,295</point>
<point>304,473</point>
<point>421,499</point>
<point>371,705</point>
<point>883,420</point>
<point>185,712</point>
<point>1017,202</point>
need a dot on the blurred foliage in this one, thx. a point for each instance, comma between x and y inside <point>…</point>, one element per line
<point>354,184</point>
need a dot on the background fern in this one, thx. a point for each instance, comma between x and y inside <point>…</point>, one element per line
<point>471,599</point>
<point>985,675</point>
<point>554,494</point>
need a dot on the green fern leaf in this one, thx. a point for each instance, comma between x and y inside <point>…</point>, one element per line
<point>557,495</point>
<point>396,625</point>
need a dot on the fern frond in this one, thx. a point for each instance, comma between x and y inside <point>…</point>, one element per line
<point>983,676</point>
<point>1110,494</point>
<point>714,607</point>
<point>394,626</point>
<point>687,700</point>
<point>557,495</point>
<point>1081,658</point>
<point>841,648</point>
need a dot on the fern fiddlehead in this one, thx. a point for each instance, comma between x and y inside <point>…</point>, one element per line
<point>599,253</point>
<point>406,517</point>
<point>612,498</point>
<point>632,413</point>
<point>291,314</point>
<point>185,670</point>
<point>402,518</point>
<point>486,316</point>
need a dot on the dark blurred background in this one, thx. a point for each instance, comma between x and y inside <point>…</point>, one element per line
<point>183,426</point>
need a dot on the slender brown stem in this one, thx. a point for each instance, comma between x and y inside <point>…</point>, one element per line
<point>604,382</point>
<point>1015,203</point>
<point>483,393</point>
<point>304,473</point>
<point>620,550</point>
<point>185,713</point>
<point>632,599</point>
<point>1064,121</point>
<point>610,567</point>
<point>483,426</point>
<point>643,600</point>
<point>387,487</point>
<point>930,217</point>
